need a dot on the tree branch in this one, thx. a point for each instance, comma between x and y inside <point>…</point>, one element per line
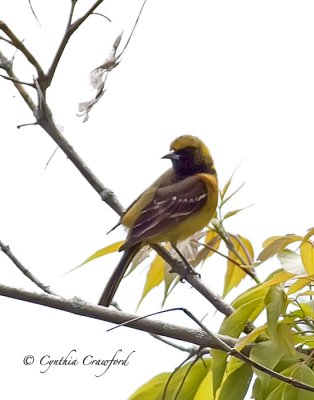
<point>6,65</point>
<point>44,118</point>
<point>179,268</point>
<point>7,251</point>
<point>20,46</point>
<point>79,307</point>
<point>106,194</point>
<point>71,28</point>
<point>235,353</point>
<point>15,80</point>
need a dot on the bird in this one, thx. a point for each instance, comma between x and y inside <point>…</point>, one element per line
<point>181,202</point>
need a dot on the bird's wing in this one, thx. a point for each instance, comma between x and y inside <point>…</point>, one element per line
<point>167,208</point>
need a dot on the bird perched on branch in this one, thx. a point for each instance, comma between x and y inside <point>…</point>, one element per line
<point>179,203</point>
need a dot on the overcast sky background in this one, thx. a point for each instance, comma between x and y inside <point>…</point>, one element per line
<point>237,74</point>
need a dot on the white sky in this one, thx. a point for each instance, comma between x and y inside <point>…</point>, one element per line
<point>238,74</point>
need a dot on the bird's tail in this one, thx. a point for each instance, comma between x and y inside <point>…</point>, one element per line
<point>116,277</point>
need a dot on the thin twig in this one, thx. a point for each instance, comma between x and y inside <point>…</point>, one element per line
<point>7,251</point>
<point>7,66</point>
<point>68,33</point>
<point>247,254</point>
<point>235,353</point>
<point>6,40</point>
<point>27,124</point>
<point>133,30</point>
<point>246,270</point>
<point>189,350</point>
<point>185,377</point>
<point>73,4</point>
<point>219,342</point>
<point>195,281</point>
<point>33,12</point>
<point>15,80</point>
<point>101,15</point>
<point>172,375</point>
<point>230,246</point>
<point>51,157</point>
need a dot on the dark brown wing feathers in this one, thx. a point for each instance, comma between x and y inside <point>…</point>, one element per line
<point>170,204</point>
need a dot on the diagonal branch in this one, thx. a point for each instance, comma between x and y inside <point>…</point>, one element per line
<point>235,353</point>
<point>44,118</point>
<point>20,46</point>
<point>7,251</point>
<point>46,122</point>
<point>71,28</point>
<point>6,65</point>
<point>195,281</point>
<point>15,80</point>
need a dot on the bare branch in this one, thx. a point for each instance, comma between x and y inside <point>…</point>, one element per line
<point>33,12</point>
<point>15,80</point>
<point>46,122</point>
<point>68,33</point>
<point>7,66</point>
<point>190,350</point>
<point>79,307</point>
<point>27,124</point>
<point>7,251</point>
<point>6,40</point>
<point>102,15</point>
<point>19,45</point>
<point>73,4</point>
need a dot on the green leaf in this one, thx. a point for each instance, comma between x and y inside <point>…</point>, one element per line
<point>250,337</point>
<point>227,184</point>
<point>235,274</point>
<point>275,244</point>
<point>183,383</point>
<point>112,248</point>
<point>153,388</point>
<point>225,199</point>
<point>257,392</point>
<point>267,354</point>
<point>257,292</point>
<point>291,261</point>
<point>279,277</point>
<point>275,302</point>
<point>276,394</point>
<point>276,387</point>
<point>205,390</point>
<point>304,374</point>
<point>285,339</point>
<point>235,212</point>
<point>299,284</point>
<point>154,277</point>
<point>171,281</point>
<point>307,255</point>
<point>237,382</point>
<point>219,364</point>
<point>235,323</point>
<point>309,234</point>
<point>212,240</point>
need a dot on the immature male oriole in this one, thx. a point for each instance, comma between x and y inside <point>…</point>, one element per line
<point>179,203</point>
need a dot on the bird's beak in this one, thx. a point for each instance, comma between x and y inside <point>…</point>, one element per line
<point>172,156</point>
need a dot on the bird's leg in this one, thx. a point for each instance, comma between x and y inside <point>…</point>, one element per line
<point>189,269</point>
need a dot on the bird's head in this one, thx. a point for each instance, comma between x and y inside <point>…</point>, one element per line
<point>190,155</point>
